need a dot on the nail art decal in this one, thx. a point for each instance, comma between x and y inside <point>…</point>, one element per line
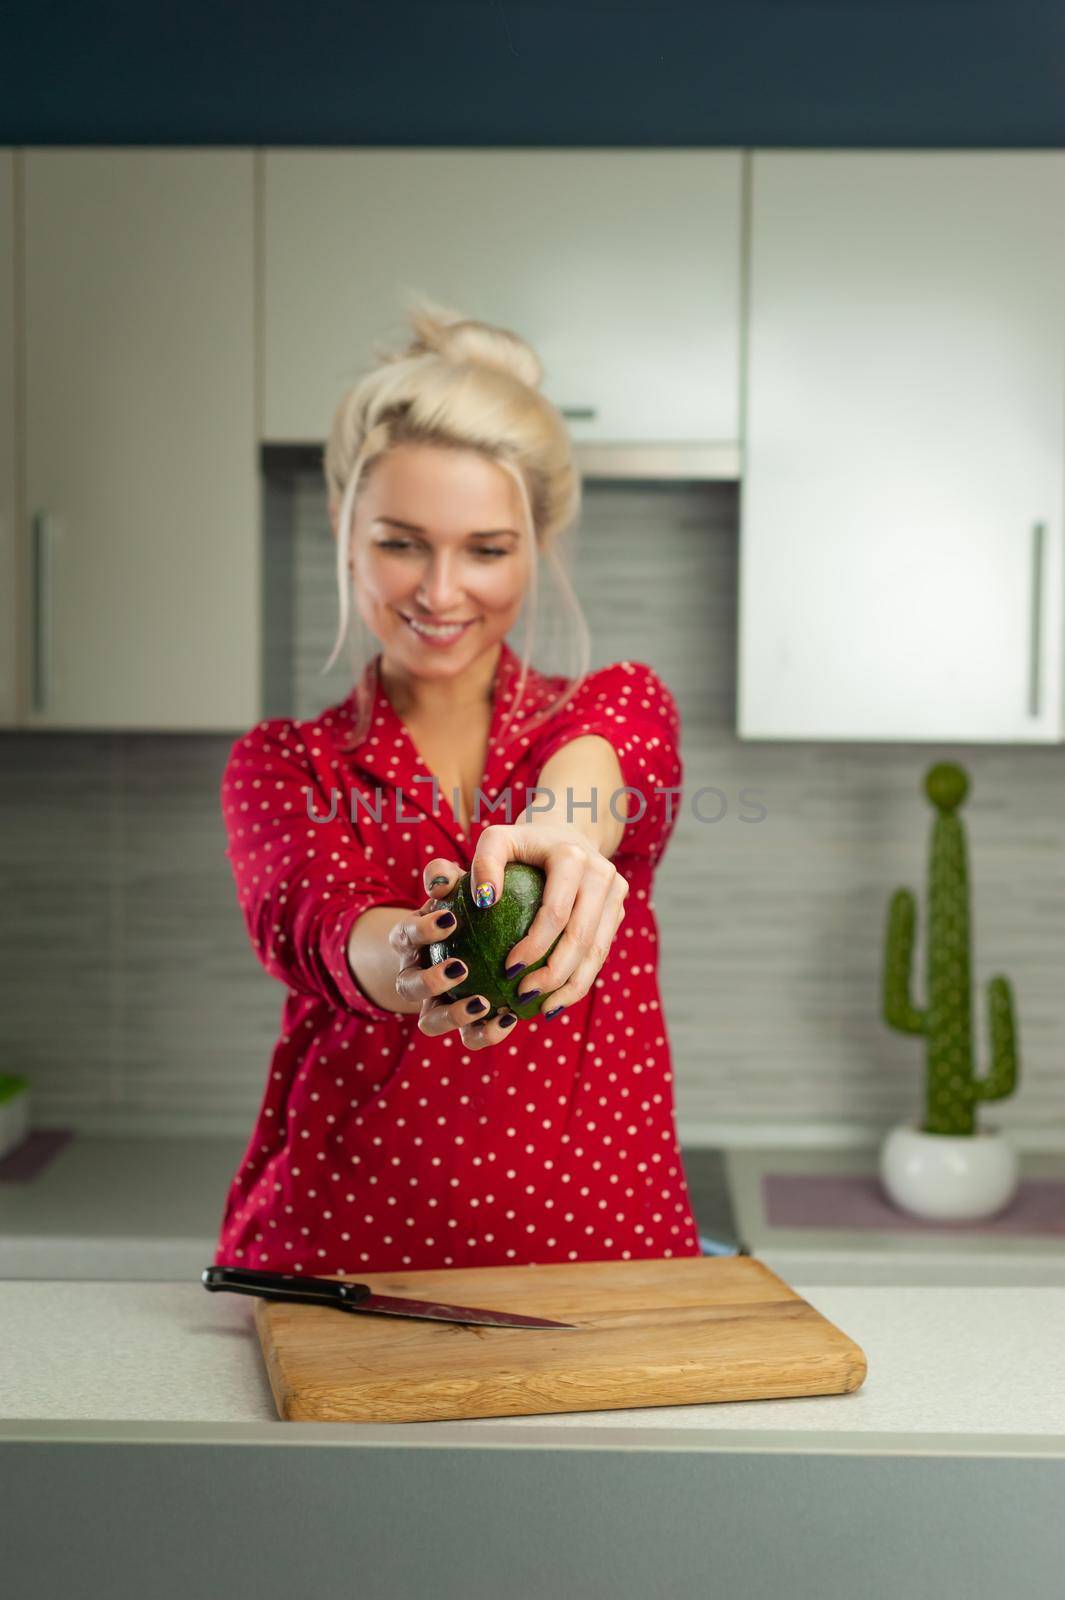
<point>485,894</point>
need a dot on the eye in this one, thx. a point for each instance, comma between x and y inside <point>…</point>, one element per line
<point>405,544</point>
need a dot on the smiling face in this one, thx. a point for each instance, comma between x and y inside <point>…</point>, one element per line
<point>437,538</point>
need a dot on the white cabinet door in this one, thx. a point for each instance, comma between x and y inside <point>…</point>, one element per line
<point>142,498</point>
<point>621,268</point>
<point>904,448</point>
<point>8,511</point>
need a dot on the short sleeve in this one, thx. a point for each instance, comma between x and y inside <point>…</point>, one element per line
<point>630,706</point>
<point>302,880</point>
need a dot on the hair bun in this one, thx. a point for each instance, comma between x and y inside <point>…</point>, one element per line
<point>460,339</point>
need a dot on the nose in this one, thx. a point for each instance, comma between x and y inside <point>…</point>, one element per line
<point>440,591</point>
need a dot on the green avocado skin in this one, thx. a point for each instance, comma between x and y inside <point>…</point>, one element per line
<point>484,936</point>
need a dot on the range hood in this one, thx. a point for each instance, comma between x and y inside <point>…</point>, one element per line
<point>708,463</point>
<point>687,462</point>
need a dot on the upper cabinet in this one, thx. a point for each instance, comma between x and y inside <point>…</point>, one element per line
<point>8,509</point>
<point>876,339</point>
<point>141,517</point>
<point>904,447</point>
<point>621,267</point>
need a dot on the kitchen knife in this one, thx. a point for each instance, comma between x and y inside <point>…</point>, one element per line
<point>345,1296</point>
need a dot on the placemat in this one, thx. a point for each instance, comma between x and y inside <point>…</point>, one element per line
<point>857,1200</point>
<point>29,1158</point>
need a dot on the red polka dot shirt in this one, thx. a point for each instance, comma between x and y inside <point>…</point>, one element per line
<point>377,1148</point>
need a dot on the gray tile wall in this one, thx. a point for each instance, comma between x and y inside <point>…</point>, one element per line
<point>132,998</point>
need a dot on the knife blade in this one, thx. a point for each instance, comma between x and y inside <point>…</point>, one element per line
<point>345,1296</point>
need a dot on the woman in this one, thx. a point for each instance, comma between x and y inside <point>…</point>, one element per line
<point>396,1130</point>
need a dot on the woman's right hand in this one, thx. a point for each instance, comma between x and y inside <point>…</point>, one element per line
<point>428,983</point>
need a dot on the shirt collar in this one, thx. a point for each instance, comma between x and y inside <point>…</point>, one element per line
<point>394,758</point>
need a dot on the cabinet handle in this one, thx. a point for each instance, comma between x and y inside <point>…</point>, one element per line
<point>1035,624</point>
<point>41,597</point>
<point>580,413</point>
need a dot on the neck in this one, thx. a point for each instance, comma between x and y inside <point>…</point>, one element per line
<point>437,699</point>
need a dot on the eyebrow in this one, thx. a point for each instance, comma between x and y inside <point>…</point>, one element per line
<point>412,527</point>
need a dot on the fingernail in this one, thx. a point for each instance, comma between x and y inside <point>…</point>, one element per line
<point>554,1012</point>
<point>508,1021</point>
<point>476,1005</point>
<point>519,966</point>
<point>485,895</point>
<point>454,969</point>
<point>446,920</point>
<point>434,881</point>
<point>529,994</point>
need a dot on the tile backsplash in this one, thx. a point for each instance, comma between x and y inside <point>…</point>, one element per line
<point>133,1000</point>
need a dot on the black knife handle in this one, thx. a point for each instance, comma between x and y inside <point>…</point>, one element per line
<point>285,1286</point>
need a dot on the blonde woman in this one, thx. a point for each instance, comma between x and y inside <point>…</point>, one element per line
<point>396,1129</point>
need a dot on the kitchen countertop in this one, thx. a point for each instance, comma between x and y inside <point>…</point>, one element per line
<point>956,1362</point>
<point>148,1209</point>
<point>140,1452</point>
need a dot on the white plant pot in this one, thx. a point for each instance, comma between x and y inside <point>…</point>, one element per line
<point>948,1177</point>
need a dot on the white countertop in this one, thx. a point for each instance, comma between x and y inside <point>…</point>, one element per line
<point>958,1362</point>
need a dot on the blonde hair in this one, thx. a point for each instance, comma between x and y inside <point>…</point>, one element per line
<point>468,385</point>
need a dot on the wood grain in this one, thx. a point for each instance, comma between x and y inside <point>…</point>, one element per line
<point>690,1331</point>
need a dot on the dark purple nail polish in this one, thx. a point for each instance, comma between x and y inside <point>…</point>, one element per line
<point>519,966</point>
<point>454,969</point>
<point>476,1005</point>
<point>508,1021</point>
<point>553,1012</point>
<point>446,920</point>
<point>530,994</point>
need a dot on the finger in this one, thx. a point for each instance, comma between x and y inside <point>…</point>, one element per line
<point>440,876</point>
<point>419,976</point>
<point>584,974</point>
<point>422,979</point>
<point>433,926</point>
<point>438,1016</point>
<point>565,867</point>
<point>495,848</point>
<point>413,932</point>
<point>579,934</point>
<point>482,1035</point>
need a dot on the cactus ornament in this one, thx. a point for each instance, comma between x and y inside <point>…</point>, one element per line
<point>945,1167</point>
<point>952,1092</point>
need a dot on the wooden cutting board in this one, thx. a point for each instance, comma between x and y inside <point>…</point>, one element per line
<point>676,1332</point>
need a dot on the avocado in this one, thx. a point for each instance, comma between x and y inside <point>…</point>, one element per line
<point>484,936</point>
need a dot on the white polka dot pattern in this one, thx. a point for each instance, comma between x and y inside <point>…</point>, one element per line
<point>377,1147</point>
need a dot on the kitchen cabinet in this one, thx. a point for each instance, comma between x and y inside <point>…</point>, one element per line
<point>621,268</point>
<point>141,517</point>
<point>904,447</point>
<point>138,1434</point>
<point>8,514</point>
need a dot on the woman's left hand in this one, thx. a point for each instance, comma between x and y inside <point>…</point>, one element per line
<point>584,900</point>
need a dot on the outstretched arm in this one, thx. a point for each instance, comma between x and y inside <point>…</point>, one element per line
<point>588,766</point>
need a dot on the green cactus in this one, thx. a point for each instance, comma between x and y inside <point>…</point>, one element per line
<point>951,1091</point>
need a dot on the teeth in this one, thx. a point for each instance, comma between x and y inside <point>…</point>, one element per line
<point>437,632</point>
